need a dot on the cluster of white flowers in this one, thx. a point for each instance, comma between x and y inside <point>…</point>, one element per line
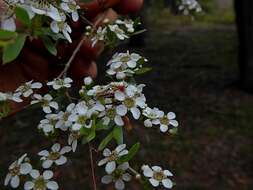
<point>25,90</point>
<point>108,105</point>
<point>57,11</point>
<point>156,117</point>
<point>121,30</point>
<point>124,65</point>
<point>22,169</point>
<point>115,173</point>
<point>188,6</point>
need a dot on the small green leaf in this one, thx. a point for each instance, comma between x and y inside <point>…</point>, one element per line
<point>143,70</point>
<point>23,16</point>
<point>48,43</point>
<point>106,140</point>
<point>7,37</point>
<point>12,50</point>
<point>133,150</point>
<point>118,134</point>
<point>173,131</point>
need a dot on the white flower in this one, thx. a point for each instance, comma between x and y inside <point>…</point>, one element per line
<point>124,64</point>
<point>10,96</point>
<point>99,35</point>
<point>63,122</point>
<point>118,176</point>
<point>70,6</point>
<point>54,156</point>
<point>166,120</point>
<point>189,5</point>
<point>81,117</point>
<point>46,102</point>
<point>48,124</point>
<point>128,23</point>
<point>111,157</point>
<point>60,83</point>
<point>88,81</point>
<point>43,7</point>
<point>118,31</point>
<point>110,114</point>
<point>132,99</point>
<point>17,168</point>
<point>14,97</point>
<point>3,97</point>
<point>61,27</point>
<point>41,182</point>
<point>152,115</point>
<point>158,176</point>
<point>27,89</point>
<point>73,139</point>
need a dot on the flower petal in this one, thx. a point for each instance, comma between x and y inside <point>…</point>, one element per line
<point>167,183</point>
<point>107,179</point>
<point>119,184</point>
<point>110,167</point>
<point>154,182</point>
<point>47,164</point>
<point>25,168</point>
<point>15,181</point>
<point>28,185</point>
<point>52,185</point>
<point>48,174</point>
<point>121,110</point>
<point>62,160</point>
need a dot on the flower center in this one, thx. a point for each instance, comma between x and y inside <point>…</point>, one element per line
<point>65,116</point>
<point>111,113</point>
<point>40,184</point>
<point>82,119</point>
<point>129,102</point>
<point>75,135</point>
<point>125,59</point>
<point>118,173</point>
<point>54,155</point>
<point>113,156</point>
<point>15,171</point>
<point>159,176</point>
<point>164,121</point>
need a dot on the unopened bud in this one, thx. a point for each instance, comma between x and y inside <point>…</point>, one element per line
<point>138,176</point>
<point>88,80</point>
<point>106,21</point>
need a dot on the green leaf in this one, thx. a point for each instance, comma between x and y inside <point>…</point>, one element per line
<point>106,140</point>
<point>143,70</point>
<point>48,43</point>
<point>4,109</point>
<point>90,134</point>
<point>12,50</point>
<point>7,37</point>
<point>23,16</point>
<point>133,150</point>
<point>101,126</point>
<point>118,134</point>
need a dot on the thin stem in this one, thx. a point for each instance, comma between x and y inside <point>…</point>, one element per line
<point>64,72</point>
<point>92,168</point>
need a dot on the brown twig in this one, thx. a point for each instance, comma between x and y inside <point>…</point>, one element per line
<point>66,68</point>
<point>92,168</point>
